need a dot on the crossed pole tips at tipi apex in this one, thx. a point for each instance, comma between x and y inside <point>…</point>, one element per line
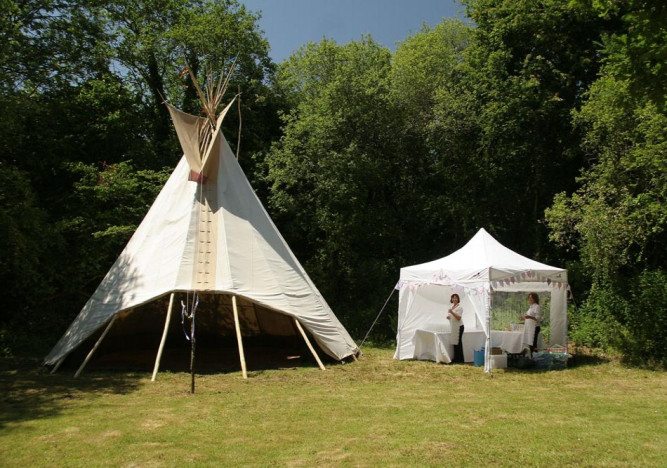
<point>206,237</point>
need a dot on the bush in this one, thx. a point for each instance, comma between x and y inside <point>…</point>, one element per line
<point>646,320</point>
<point>630,319</point>
<point>595,324</point>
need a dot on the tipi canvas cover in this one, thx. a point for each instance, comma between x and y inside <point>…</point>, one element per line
<point>208,232</point>
<point>477,270</point>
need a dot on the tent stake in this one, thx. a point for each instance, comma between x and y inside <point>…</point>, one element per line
<point>164,338</point>
<point>310,346</point>
<point>92,351</point>
<point>238,338</point>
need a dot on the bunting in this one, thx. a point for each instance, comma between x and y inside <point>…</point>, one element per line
<point>521,277</point>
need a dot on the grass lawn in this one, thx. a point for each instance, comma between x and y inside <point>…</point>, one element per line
<point>375,412</point>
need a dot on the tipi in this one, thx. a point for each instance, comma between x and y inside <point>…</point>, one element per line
<point>207,233</point>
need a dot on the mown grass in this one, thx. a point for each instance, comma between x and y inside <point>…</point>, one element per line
<point>376,412</point>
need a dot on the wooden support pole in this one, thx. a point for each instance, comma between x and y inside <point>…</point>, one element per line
<point>238,337</point>
<point>164,338</point>
<point>60,361</point>
<point>92,351</point>
<point>310,346</point>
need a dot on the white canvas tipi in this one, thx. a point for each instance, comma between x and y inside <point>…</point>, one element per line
<point>208,232</point>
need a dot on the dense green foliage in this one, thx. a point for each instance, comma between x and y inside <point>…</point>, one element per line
<point>526,71</point>
<point>339,152</point>
<point>543,122</point>
<point>616,220</point>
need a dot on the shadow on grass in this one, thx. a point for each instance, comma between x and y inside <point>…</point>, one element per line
<point>28,391</point>
<point>209,360</point>
<point>581,359</point>
<point>584,359</point>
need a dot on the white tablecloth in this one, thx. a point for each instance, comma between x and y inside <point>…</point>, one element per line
<point>436,345</point>
<point>433,346</point>
<point>511,341</point>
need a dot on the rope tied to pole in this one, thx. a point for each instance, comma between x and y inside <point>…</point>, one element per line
<point>189,316</point>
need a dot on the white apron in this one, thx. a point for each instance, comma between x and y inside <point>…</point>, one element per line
<point>530,325</point>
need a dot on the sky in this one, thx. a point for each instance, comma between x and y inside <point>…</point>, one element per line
<point>289,24</point>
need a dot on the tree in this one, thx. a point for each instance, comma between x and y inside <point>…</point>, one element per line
<point>528,68</point>
<point>47,44</point>
<point>333,174</point>
<point>49,51</point>
<point>439,131</point>
<point>155,40</point>
<point>636,51</point>
<point>616,219</point>
<point>26,237</point>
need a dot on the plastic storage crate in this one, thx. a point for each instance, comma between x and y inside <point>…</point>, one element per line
<point>498,361</point>
<point>519,361</point>
<point>554,358</point>
<point>542,360</point>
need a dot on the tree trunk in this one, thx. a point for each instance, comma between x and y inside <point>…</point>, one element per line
<point>162,123</point>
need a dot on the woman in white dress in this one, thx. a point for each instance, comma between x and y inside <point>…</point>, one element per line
<point>455,315</point>
<point>532,321</point>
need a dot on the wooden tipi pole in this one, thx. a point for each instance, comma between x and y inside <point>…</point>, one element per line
<point>164,338</point>
<point>310,346</point>
<point>92,351</point>
<point>238,337</point>
<point>60,361</point>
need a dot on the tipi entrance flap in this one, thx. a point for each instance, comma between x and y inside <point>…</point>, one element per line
<point>188,128</point>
